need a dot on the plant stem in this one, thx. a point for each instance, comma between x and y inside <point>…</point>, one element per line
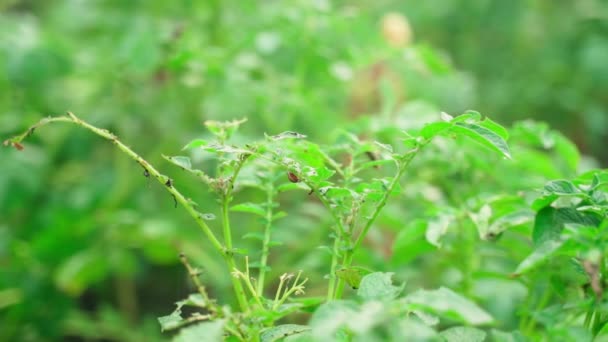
<point>334,264</point>
<point>334,164</point>
<point>266,242</point>
<point>247,280</point>
<point>546,296</point>
<point>164,180</point>
<point>193,273</point>
<point>226,224</point>
<point>348,255</point>
<point>229,256</point>
<point>402,166</point>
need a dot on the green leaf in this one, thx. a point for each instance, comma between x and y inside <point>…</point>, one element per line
<point>411,242</point>
<point>495,127</point>
<point>374,163</point>
<point>378,285</point>
<point>351,276</point>
<point>550,222</point>
<point>81,270</point>
<point>319,174</point>
<point>181,161</point>
<point>172,321</point>
<point>567,150</point>
<point>561,188</point>
<point>541,254</point>
<point>482,219</point>
<point>411,329</point>
<point>501,336</point>
<point>436,229</point>
<point>224,129</point>
<point>543,201</point>
<point>175,320</point>
<point>254,235</point>
<point>483,136</point>
<point>447,303</point>
<point>195,143</point>
<point>463,334</point>
<point>505,222</point>
<point>216,147</point>
<point>470,116</point>
<point>290,186</point>
<point>545,226</point>
<point>436,128</point>
<point>240,251</point>
<point>10,296</point>
<point>574,216</point>
<point>330,317</point>
<point>207,331</point>
<point>251,208</point>
<point>281,331</point>
<point>278,215</point>
<point>336,193</point>
<point>194,299</point>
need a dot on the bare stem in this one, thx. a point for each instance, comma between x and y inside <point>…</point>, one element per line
<point>194,273</point>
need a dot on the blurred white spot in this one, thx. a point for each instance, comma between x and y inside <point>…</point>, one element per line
<point>432,193</point>
<point>267,42</point>
<point>247,60</point>
<point>321,5</point>
<point>446,117</point>
<point>341,71</point>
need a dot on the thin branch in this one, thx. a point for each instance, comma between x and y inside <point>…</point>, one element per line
<point>150,171</point>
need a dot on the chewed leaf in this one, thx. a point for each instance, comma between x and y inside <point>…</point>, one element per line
<point>215,147</point>
<point>286,135</point>
<point>175,319</point>
<point>172,321</point>
<point>319,174</point>
<point>279,332</point>
<point>194,299</point>
<point>379,285</point>
<point>483,136</point>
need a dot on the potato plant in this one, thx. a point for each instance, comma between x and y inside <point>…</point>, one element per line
<point>353,179</point>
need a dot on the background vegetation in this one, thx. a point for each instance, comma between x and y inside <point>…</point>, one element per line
<point>89,248</point>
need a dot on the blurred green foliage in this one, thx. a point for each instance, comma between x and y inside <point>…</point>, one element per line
<point>88,247</point>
